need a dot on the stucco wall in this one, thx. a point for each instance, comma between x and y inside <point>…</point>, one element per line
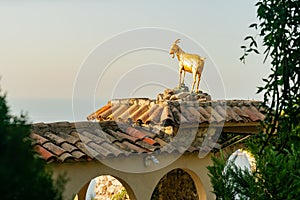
<point>138,185</point>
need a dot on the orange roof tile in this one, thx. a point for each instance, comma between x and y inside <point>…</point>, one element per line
<point>44,153</point>
<point>65,142</point>
<point>175,112</point>
<point>135,126</point>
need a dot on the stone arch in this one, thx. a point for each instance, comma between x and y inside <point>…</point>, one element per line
<point>179,183</point>
<point>81,195</point>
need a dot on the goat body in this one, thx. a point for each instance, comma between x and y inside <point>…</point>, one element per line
<point>191,63</point>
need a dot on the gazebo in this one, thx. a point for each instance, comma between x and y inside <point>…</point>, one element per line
<point>146,142</point>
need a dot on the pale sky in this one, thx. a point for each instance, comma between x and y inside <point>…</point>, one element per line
<point>44,45</point>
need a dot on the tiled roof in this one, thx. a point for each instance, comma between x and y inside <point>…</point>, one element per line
<point>146,111</point>
<point>176,122</point>
<point>86,141</point>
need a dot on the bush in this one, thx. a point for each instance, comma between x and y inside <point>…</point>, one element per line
<point>23,174</point>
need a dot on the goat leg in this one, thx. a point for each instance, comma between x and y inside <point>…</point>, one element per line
<point>198,83</point>
<point>194,81</point>
<point>179,84</point>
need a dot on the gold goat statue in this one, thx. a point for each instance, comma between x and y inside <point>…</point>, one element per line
<point>192,63</point>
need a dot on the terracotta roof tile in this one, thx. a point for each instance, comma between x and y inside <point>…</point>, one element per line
<point>134,126</point>
<point>254,110</point>
<point>38,139</point>
<point>56,150</point>
<point>44,153</point>
<point>111,137</point>
<point>231,115</point>
<point>178,106</point>
<point>150,141</point>
<point>204,113</point>
<point>135,115</point>
<point>94,138</point>
<point>128,113</point>
<point>147,133</point>
<point>65,156</point>
<point>105,153</point>
<point>197,115</point>
<point>251,114</point>
<point>82,137</point>
<point>210,118</point>
<point>161,142</point>
<point>141,135</point>
<point>69,138</point>
<point>240,112</point>
<point>167,117</point>
<point>118,110</point>
<point>93,146</point>
<point>221,111</point>
<point>135,148</point>
<point>217,116</point>
<point>123,147</point>
<point>68,147</point>
<point>114,149</point>
<point>79,155</point>
<point>101,110</point>
<point>190,117</point>
<point>121,136</point>
<point>148,146</point>
<point>155,115</point>
<point>56,139</point>
<point>146,115</point>
<point>103,115</point>
<point>87,150</point>
<point>178,116</point>
<point>135,133</point>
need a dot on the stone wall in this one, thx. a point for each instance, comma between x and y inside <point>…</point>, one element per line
<point>107,188</point>
<point>176,185</point>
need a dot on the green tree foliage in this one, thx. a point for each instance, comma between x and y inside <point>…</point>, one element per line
<point>23,174</point>
<point>277,148</point>
<point>224,177</point>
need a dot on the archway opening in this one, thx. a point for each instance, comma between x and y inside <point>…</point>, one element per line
<point>176,184</point>
<point>105,187</point>
<point>242,159</point>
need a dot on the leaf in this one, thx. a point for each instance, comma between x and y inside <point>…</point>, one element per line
<point>258,3</point>
<point>254,42</point>
<point>256,51</point>
<point>267,51</point>
<point>242,59</point>
<point>249,50</point>
<point>248,37</point>
<point>254,25</point>
<point>259,90</point>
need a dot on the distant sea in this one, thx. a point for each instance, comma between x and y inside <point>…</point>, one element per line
<point>52,110</point>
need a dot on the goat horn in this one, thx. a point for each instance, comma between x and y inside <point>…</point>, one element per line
<point>177,41</point>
